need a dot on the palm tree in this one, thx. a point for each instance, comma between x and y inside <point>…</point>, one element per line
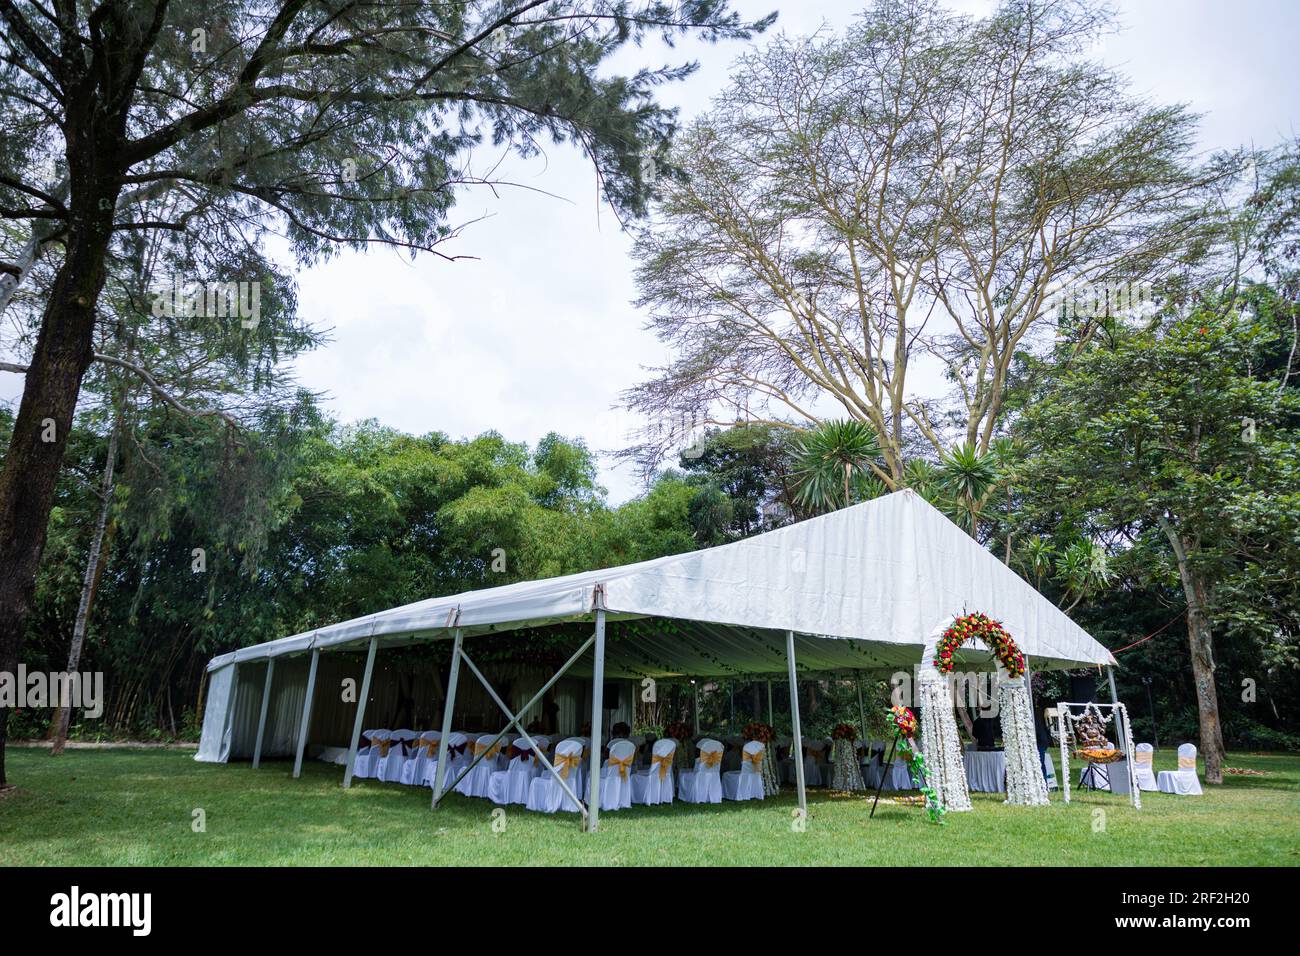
<point>967,478</point>
<point>831,460</point>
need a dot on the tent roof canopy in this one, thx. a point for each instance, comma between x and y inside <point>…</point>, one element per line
<point>862,588</point>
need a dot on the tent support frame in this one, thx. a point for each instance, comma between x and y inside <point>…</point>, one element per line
<point>448,707</point>
<point>591,821</point>
<point>513,720</point>
<point>261,719</point>
<point>361,711</point>
<point>1114,699</point>
<point>798,732</point>
<point>306,712</point>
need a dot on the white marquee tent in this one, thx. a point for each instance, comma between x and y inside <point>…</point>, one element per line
<point>861,589</point>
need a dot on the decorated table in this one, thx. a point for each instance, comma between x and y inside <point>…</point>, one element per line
<point>898,776</point>
<point>986,770</point>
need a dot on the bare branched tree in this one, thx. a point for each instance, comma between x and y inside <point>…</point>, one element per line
<point>923,185</point>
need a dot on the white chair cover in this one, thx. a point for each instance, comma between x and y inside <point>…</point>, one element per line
<point>1142,769</point>
<point>1182,781</point>
<point>422,754</point>
<point>747,782</point>
<point>457,759</point>
<point>616,776</point>
<point>655,786</point>
<point>476,781</point>
<point>511,785</point>
<point>368,755</point>
<point>545,794</point>
<point>389,768</point>
<point>704,783</point>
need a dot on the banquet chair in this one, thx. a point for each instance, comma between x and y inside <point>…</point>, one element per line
<point>747,782</point>
<point>393,759</point>
<point>457,758</point>
<point>476,781</point>
<point>424,753</point>
<point>1142,767</point>
<point>704,783</point>
<point>814,756</point>
<point>616,776</point>
<point>1182,781</point>
<point>545,794</point>
<point>784,764</point>
<point>655,786</point>
<point>368,756</point>
<point>388,761</point>
<point>511,785</point>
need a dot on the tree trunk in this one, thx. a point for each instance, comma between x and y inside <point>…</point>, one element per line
<point>63,716</point>
<point>1200,640</point>
<point>64,348</point>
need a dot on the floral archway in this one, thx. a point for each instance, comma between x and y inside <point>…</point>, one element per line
<point>1025,783</point>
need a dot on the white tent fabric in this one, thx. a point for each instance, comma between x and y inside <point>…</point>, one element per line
<point>862,587</point>
<point>883,571</point>
<point>214,741</point>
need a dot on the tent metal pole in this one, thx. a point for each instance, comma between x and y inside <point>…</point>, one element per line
<point>1114,699</point>
<point>695,686</point>
<point>306,711</point>
<point>597,713</point>
<point>862,711</point>
<point>361,711</point>
<point>731,719</point>
<point>261,719</point>
<point>448,706</point>
<point>794,718</point>
<point>512,719</point>
<point>517,721</point>
<point>770,715</point>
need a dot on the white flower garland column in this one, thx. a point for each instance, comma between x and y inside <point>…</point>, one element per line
<point>1025,784</point>
<point>946,773</point>
<point>939,740</point>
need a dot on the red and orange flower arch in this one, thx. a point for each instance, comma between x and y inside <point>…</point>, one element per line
<point>983,627</point>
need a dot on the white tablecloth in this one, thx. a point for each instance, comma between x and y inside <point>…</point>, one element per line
<point>898,777</point>
<point>986,770</point>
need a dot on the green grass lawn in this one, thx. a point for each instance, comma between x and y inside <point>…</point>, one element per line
<point>135,807</point>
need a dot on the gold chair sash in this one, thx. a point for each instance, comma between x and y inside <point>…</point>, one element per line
<point>756,759</point>
<point>1186,763</point>
<point>710,758</point>
<point>622,765</point>
<point>488,752</point>
<point>1144,756</point>
<point>566,762</point>
<point>664,762</point>
<point>383,746</point>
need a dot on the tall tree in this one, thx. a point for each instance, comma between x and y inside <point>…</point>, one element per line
<point>924,183</point>
<point>342,123</point>
<point>1184,438</point>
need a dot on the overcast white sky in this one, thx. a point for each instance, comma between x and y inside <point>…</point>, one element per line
<point>539,333</point>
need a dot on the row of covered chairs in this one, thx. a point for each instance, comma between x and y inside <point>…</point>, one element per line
<point>1182,781</point>
<point>510,772</point>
